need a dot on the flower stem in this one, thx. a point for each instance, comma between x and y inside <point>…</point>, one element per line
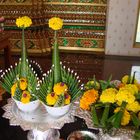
<point>56,61</point>
<point>94,116</point>
<point>105,114</point>
<point>135,120</point>
<point>117,117</point>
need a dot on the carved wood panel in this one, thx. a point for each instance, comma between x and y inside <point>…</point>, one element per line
<point>84,23</point>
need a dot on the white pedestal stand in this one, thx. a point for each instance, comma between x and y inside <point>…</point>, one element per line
<point>51,134</point>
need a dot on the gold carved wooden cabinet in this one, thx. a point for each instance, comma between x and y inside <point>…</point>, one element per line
<point>83,30</point>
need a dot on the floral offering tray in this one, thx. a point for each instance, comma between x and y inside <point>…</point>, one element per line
<point>38,119</point>
<point>41,120</point>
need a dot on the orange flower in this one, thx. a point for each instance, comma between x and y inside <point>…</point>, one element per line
<point>88,98</point>
<point>121,85</point>
<point>84,104</point>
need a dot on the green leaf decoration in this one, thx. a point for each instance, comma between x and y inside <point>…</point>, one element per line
<point>12,75</point>
<point>60,101</point>
<point>68,77</point>
<point>115,119</point>
<point>105,115</point>
<point>94,115</point>
<point>135,120</point>
<point>56,61</point>
<point>23,68</point>
<point>137,135</point>
<point>106,84</point>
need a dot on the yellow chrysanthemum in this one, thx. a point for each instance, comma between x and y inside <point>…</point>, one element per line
<point>55,23</point>
<point>125,79</point>
<point>124,94</point>
<point>26,96</point>
<point>60,88</point>
<point>126,116</point>
<point>23,22</point>
<point>135,107</point>
<point>88,98</point>
<point>138,86</point>
<point>23,83</point>
<point>67,98</point>
<point>51,98</point>
<point>132,88</point>
<point>13,89</point>
<point>108,95</point>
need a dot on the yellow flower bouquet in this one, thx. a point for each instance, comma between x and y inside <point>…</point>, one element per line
<point>59,87</point>
<point>21,80</point>
<point>113,105</point>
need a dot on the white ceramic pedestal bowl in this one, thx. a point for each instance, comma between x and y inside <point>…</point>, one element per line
<point>57,112</point>
<point>29,107</point>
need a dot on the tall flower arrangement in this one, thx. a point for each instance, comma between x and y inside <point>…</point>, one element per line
<point>21,80</point>
<point>59,87</point>
<point>113,105</point>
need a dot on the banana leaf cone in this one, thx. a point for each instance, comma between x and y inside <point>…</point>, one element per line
<point>56,61</point>
<point>24,65</point>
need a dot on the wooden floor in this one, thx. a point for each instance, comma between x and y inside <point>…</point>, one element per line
<point>87,65</point>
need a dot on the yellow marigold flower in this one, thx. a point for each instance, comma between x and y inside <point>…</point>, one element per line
<point>125,79</point>
<point>55,23</point>
<point>26,96</point>
<point>135,107</point>
<point>84,104</point>
<point>23,22</point>
<point>23,83</point>
<point>13,89</point>
<point>51,98</point>
<point>125,95</point>
<point>67,98</point>
<point>133,88</point>
<point>138,86</point>
<point>108,95</point>
<point>126,116</point>
<point>60,88</point>
<point>88,98</point>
